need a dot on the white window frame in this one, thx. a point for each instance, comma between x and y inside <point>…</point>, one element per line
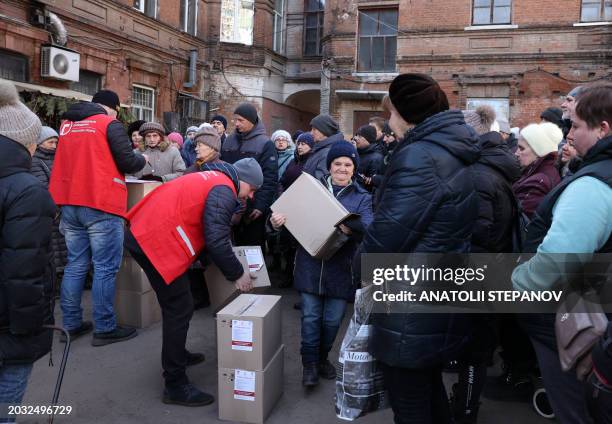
<point>186,17</point>
<point>278,40</point>
<point>501,105</point>
<point>141,7</point>
<point>601,17</point>
<point>139,110</point>
<point>239,35</point>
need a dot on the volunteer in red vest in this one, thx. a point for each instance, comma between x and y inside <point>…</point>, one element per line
<point>93,154</point>
<point>169,230</point>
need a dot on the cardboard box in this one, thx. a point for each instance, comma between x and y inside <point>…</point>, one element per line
<point>249,332</point>
<point>138,189</point>
<point>249,396</point>
<point>131,277</point>
<point>135,309</point>
<point>315,228</point>
<point>221,291</point>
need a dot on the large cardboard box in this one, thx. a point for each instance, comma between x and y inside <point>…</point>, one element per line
<point>313,214</point>
<point>249,396</point>
<point>249,332</point>
<point>221,291</point>
<point>138,189</point>
<point>135,309</point>
<point>131,277</point>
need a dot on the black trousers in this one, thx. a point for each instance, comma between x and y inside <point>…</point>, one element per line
<point>417,396</point>
<point>177,309</point>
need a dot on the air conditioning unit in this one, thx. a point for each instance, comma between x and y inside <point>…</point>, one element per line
<point>60,63</point>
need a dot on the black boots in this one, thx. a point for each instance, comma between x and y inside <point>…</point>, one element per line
<point>310,376</point>
<point>327,370</point>
<point>86,327</point>
<point>119,334</point>
<point>187,395</point>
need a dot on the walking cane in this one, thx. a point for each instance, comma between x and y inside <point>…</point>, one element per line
<point>60,377</point>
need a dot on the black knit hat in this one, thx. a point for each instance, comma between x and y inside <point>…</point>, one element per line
<point>340,149</point>
<point>554,115</point>
<point>135,126</point>
<point>221,119</point>
<point>248,112</point>
<point>368,132</point>
<point>107,98</point>
<point>417,97</point>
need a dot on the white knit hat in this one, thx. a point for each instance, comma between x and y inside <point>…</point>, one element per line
<point>538,139</point>
<point>553,132</point>
<point>284,134</point>
<point>17,122</point>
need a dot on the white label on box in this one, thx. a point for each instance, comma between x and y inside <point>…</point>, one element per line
<point>254,259</point>
<point>244,385</point>
<point>242,335</point>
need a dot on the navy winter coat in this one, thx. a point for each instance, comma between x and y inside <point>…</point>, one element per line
<point>427,203</point>
<point>333,278</point>
<point>26,280</point>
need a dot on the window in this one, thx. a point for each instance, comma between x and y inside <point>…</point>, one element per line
<point>89,83</point>
<point>492,12</point>
<point>237,21</point>
<point>596,10</point>
<point>148,7</point>
<point>279,27</point>
<point>501,106</point>
<point>189,16</point>
<point>13,66</point>
<point>377,40</point>
<point>313,27</point>
<point>143,103</point>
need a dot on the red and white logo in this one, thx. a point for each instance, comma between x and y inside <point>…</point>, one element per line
<point>66,127</point>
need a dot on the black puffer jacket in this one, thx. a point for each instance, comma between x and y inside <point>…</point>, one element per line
<point>371,160</point>
<point>26,216</point>
<point>120,145</point>
<point>42,165</point>
<point>221,204</point>
<point>496,171</point>
<point>426,203</point>
<point>255,144</point>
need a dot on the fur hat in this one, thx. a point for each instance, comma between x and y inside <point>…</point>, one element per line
<point>416,97</point>
<point>480,119</point>
<point>135,126</point>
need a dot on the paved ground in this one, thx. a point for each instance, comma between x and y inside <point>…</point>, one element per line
<point>122,383</point>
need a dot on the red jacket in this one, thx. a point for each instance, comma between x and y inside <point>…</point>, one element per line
<point>84,171</point>
<point>167,223</point>
<point>536,181</point>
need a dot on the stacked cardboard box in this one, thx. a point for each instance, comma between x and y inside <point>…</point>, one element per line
<point>251,358</point>
<point>221,291</point>
<point>135,301</point>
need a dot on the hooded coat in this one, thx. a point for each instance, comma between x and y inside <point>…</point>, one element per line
<point>316,165</point>
<point>536,181</point>
<point>427,203</point>
<point>26,278</point>
<point>495,172</point>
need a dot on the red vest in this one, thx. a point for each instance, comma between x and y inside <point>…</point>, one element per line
<point>167,223</point>
<point>84,171</point>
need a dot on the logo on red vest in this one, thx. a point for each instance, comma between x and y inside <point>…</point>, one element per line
<point>66,127</point>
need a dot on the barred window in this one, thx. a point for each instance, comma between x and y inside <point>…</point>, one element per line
<point>143,103</point>
<point>89,83</point>
<point>13,66</point>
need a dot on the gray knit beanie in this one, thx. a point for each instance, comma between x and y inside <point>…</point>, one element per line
<point>17,122</point>
<point>325,124</point>
<point>249,171</point>
<point>148,127</point>
<point>45,134</point>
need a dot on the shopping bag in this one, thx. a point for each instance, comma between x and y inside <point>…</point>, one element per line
<point>359,383</point>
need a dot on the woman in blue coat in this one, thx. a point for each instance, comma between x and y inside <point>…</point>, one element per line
<point>327,286</point>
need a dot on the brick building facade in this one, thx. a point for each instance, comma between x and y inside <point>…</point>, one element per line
<point>294,58</point>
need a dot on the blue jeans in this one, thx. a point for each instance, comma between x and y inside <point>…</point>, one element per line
<point>321,319</point>
<point>92,236</point>
<point>13,383</point>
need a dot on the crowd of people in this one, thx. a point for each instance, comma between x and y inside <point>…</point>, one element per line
<point>428,180</point>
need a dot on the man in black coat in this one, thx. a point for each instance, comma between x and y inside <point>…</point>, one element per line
<point>371,155</point>
<point>325,132</point>
<point>26,280</point>
<point>427,203</point>
<point>250,141</point>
